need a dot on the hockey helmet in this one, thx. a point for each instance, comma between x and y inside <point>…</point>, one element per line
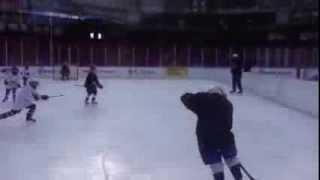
<point>33,83</point>
<point>217,90</point>
<point>15,70</point>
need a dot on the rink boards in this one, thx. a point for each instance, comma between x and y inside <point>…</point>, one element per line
<point>277,84</point>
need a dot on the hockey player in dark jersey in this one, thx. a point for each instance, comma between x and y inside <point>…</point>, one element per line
<point>65,72</point>
<point>236,72</point>
<point>214,130</point>
<point>91,84</point>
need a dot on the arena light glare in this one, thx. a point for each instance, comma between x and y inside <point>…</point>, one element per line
<point>99,36</point>
<point>92,35</point>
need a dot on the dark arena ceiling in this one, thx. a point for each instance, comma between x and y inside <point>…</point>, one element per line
<point>132,11</point>
<point>180,16</point>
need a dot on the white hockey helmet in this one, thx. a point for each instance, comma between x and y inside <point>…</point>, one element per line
<point>217,90</point>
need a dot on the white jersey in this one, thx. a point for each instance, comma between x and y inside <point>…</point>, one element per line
<point>25,98</point>
<point>5,77</point>
<point>13,81</point>
<point>25,73</point>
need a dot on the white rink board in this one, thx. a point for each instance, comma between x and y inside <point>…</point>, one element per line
<point>126,72</point>
<point>278,85</point>
<point>47,72</point>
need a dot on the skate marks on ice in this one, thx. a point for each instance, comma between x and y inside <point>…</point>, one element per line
<point>119,167</point>
<point>114,170</point>
<point>105,167</point>
<point>102,127</point>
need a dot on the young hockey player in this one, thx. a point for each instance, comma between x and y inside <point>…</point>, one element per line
<point>91,84</point>
<point>65,72</point>
<point>25,100</point>
<point>215,138</point>
<point>12,83</point>
<point>25,75</point>
<point>5,73</point>
<point>236,72</point>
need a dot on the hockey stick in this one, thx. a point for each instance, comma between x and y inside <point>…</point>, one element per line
<point>78,85</point>
<point>247,172</point>
<point>56,96</point>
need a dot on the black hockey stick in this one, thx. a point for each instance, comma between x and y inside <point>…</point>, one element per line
<point>56,96</point>
<point>247,172</point>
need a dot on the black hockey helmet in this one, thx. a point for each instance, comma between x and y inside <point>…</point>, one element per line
<point>15,70</point>
<point>34,84</point>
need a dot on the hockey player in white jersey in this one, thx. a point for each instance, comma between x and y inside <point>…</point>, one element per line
<point>12,83</point>
<point>25,100</point>
<point>25,75</point>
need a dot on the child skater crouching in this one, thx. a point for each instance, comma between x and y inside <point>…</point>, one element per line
<point>25,100</point>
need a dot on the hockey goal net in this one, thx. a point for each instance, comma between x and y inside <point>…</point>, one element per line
<point>74,72</point>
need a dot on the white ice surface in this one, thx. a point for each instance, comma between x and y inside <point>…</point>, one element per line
<point>141,131</point>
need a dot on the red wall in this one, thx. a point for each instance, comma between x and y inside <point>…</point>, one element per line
<point>36,51</point>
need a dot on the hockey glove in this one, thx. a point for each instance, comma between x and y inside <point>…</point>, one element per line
<point>100,86</point>
<point>44,97</point>
<point>36,97</point>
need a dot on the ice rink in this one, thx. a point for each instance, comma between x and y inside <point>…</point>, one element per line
<point>141,131</point>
